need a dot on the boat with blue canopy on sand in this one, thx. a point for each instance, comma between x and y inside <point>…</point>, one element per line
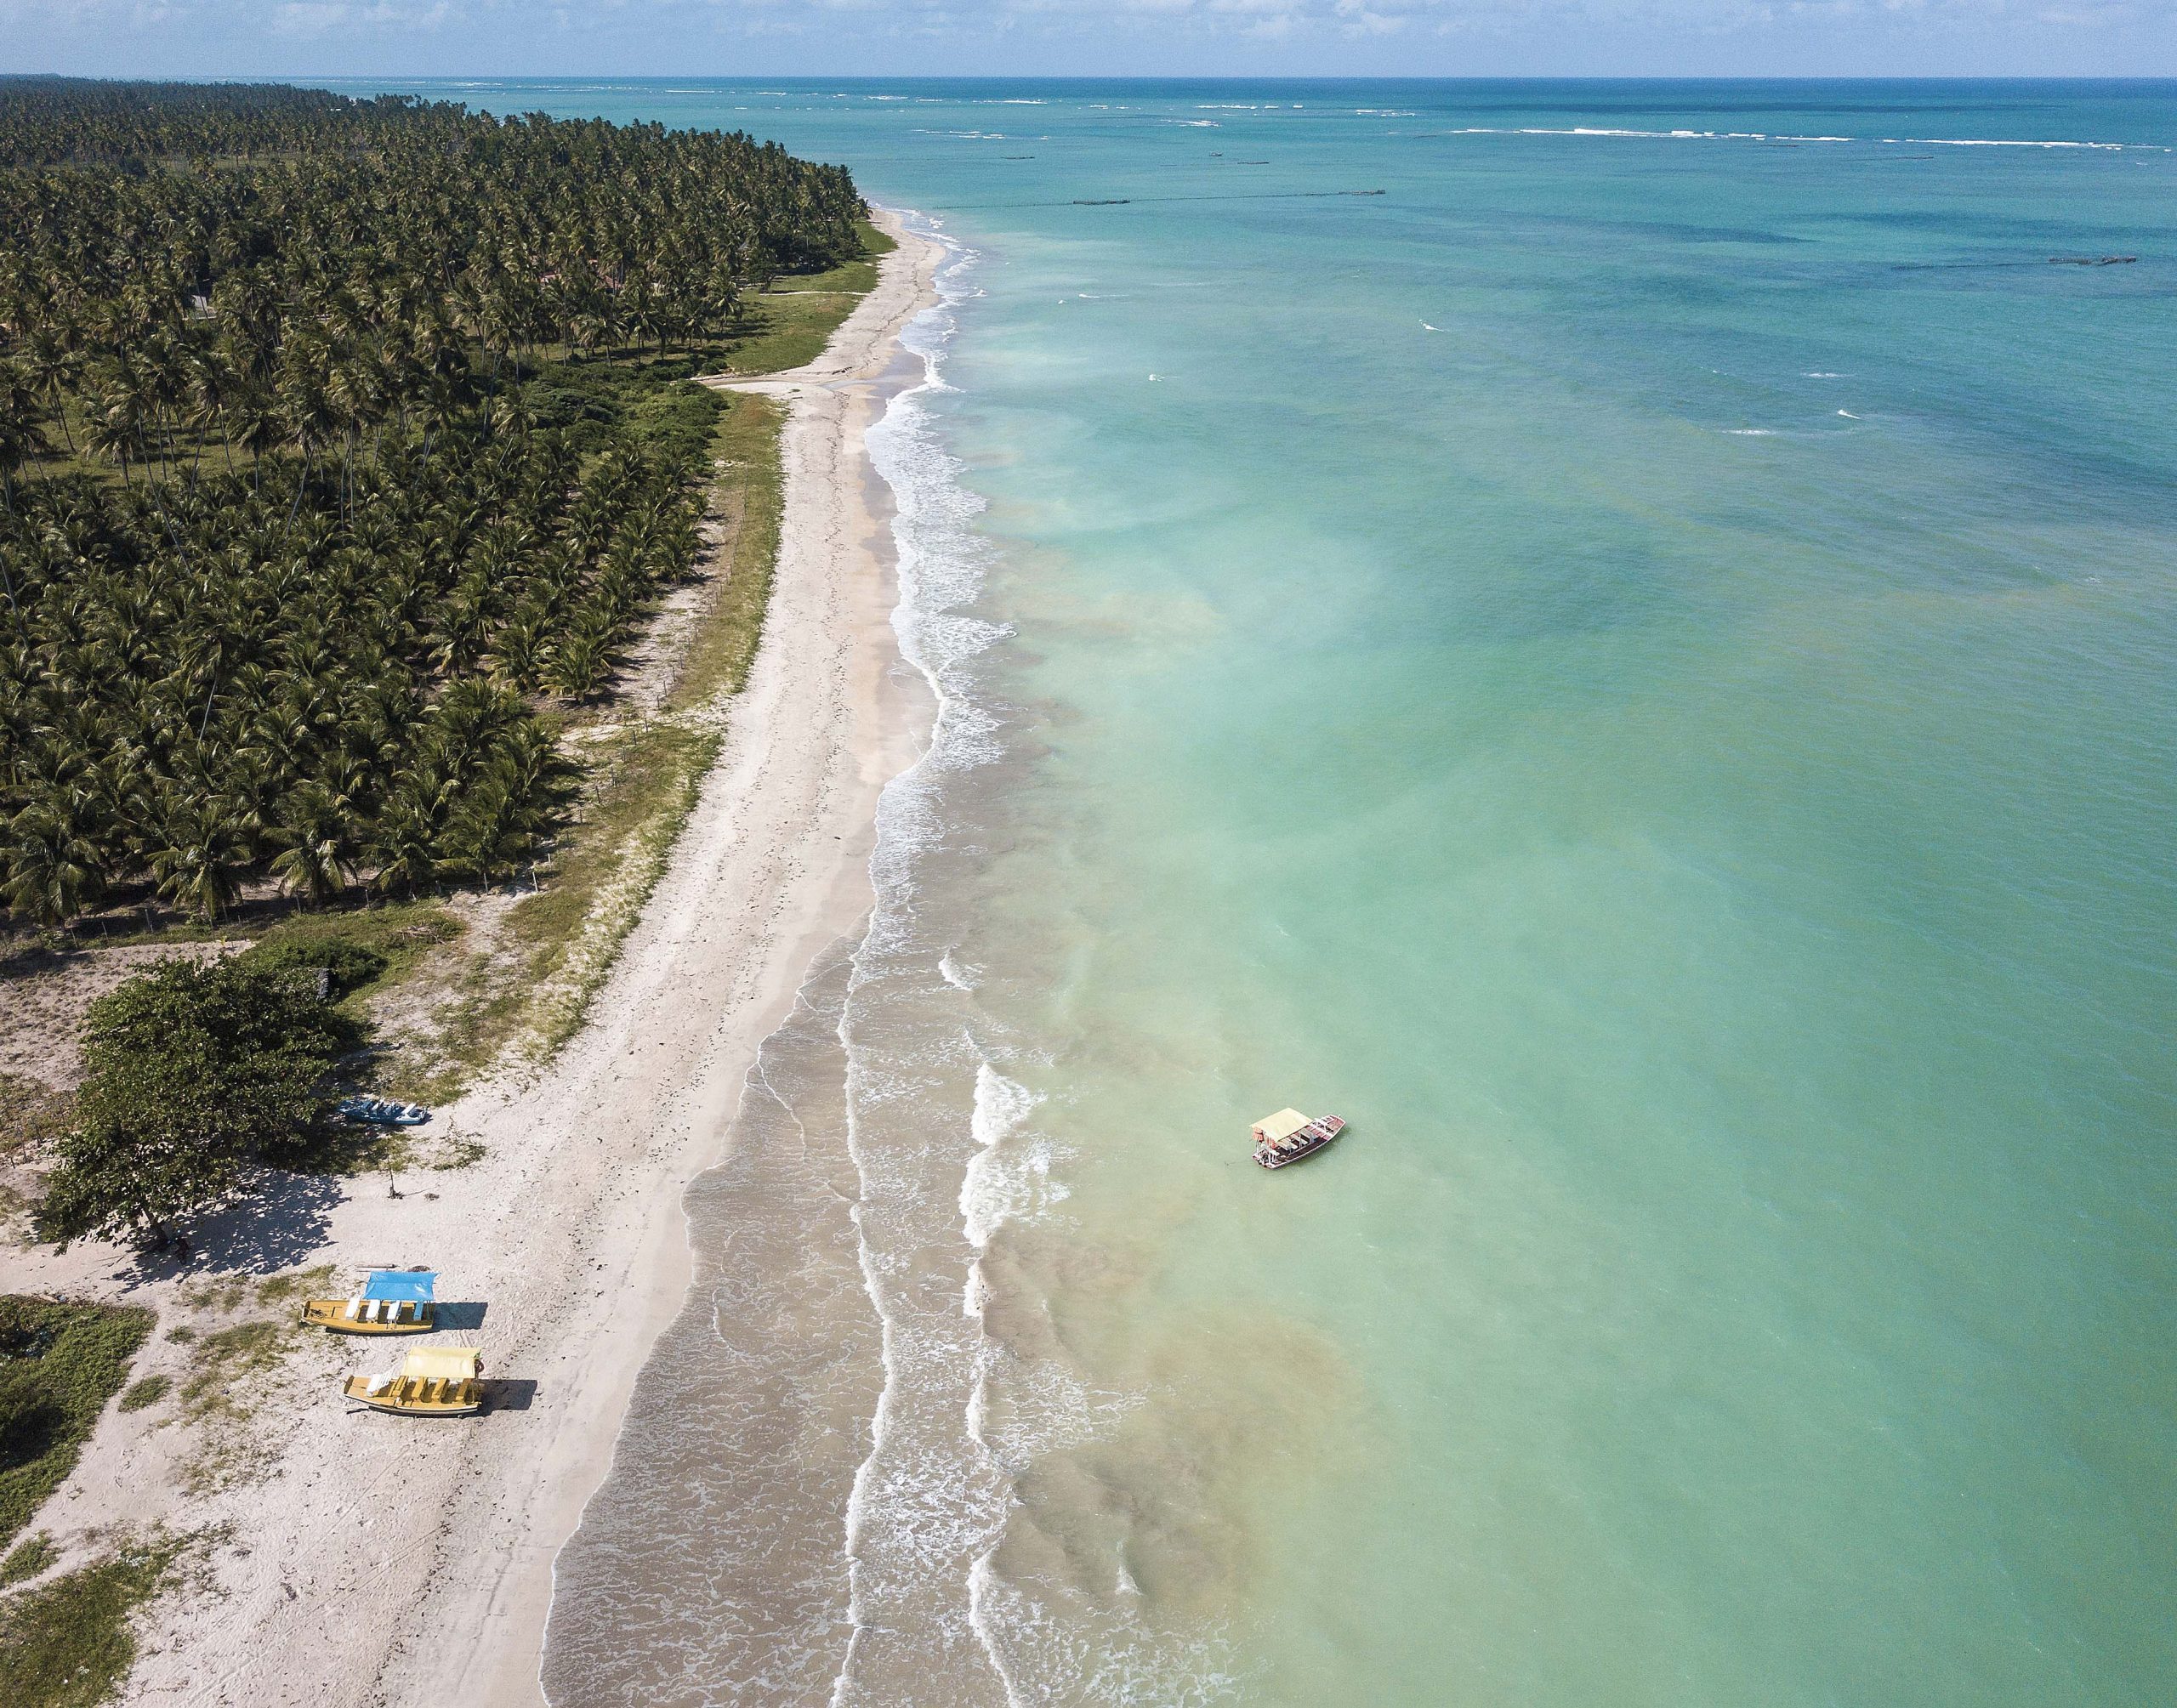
<point>390,1301</point>
<point>1288,1135</point>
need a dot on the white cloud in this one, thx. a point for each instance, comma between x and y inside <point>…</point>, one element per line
<point>315,18</point>
<point>1143,37</point>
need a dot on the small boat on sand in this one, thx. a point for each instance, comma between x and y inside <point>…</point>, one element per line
<point>382,1111</point>
<point>1288,1135</point>
<point>390,1301</point>
<point>432,1381</point>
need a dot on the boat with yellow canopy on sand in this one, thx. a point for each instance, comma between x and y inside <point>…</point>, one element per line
<point>390,1301</point>
<point>432,1381</point>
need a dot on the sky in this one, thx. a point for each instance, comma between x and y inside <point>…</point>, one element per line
<point>413,38</point>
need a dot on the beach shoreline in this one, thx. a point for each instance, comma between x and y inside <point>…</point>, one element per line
<point>384,1562</point>
<point>829,686</point>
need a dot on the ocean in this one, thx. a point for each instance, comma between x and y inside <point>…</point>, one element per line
<point>1623,636</point>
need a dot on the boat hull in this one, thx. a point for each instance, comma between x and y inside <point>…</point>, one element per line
<point>331,1314</point>
<point>466,1405</point>
<point>1318,1135</point>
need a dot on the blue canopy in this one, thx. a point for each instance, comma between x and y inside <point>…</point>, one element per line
<point>413,1286</point>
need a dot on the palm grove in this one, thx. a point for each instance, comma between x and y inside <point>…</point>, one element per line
<point>296,548</point>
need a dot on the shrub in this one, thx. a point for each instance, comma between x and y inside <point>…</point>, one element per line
<point>351,965</point>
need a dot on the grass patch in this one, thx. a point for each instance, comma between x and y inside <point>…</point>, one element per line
<point>70,1644</point>
<point>58,1365</point>
<point>233,1357</point>
<point>227,1294</point>
<point>345,1149</point>
<point>32,1114</point>
<point>375,947</point>
<point>149,1391</point>
<point>784,329</point>
<point>858,276</point>
<point>222,1397</point>
<point>790,324</point>
<point>458,1153</point>
<point>560,942</point>
<point>751,498</point>
<point>294,1286</point>
<point>26,1559</point>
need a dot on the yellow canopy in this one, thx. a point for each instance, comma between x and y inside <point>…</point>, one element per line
<point>1280,1126</point>
<point>432,1362</point>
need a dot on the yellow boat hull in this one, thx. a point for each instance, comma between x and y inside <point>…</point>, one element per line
<point>332,1314</point>
<point>411,1398</point>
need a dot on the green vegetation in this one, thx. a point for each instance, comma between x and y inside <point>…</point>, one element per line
<point>29,1113</point>
<point>392,467</point>
<point>857,277</point>
<point>394,936</point>
<point>352,443</point>
<point>26,1559</point>
<point>750,499</point>
<point>58,1365</point>
<point>69,1643</point>
<point>232,1357</point>
<point>347,965</point>
<point>194,1072</point>
<point>789,326</point>
<point>557,944</point>
<point>148,1391</point>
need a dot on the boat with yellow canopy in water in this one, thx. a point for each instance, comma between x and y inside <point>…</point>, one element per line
<point>1288,1135</point>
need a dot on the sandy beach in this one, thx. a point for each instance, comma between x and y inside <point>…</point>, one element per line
<point>383,1562</point>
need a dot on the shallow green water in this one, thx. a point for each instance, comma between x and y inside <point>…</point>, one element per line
<point>1681,756</point>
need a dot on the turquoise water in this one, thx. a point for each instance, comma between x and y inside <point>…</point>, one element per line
<point>1637,668</point>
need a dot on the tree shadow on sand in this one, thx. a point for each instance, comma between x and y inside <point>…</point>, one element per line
<point>279,1221</point>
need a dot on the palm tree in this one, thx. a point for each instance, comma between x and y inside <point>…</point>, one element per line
<point>115,428</point>
<point>52,868</point>
<point>317,856</point>
<point>306,407</point>
<point>20,414</point>
<point>53,367</point>
<point>208,680</point>
<point>215,388</point>
<point>404,839</point>
<point>200,851</point>
<point>580,665</point>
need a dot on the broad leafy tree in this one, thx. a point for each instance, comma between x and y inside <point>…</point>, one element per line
<point>194,1073</point>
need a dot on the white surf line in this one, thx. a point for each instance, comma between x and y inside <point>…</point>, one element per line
<point>943,725</point>
<point>1787,136</point>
